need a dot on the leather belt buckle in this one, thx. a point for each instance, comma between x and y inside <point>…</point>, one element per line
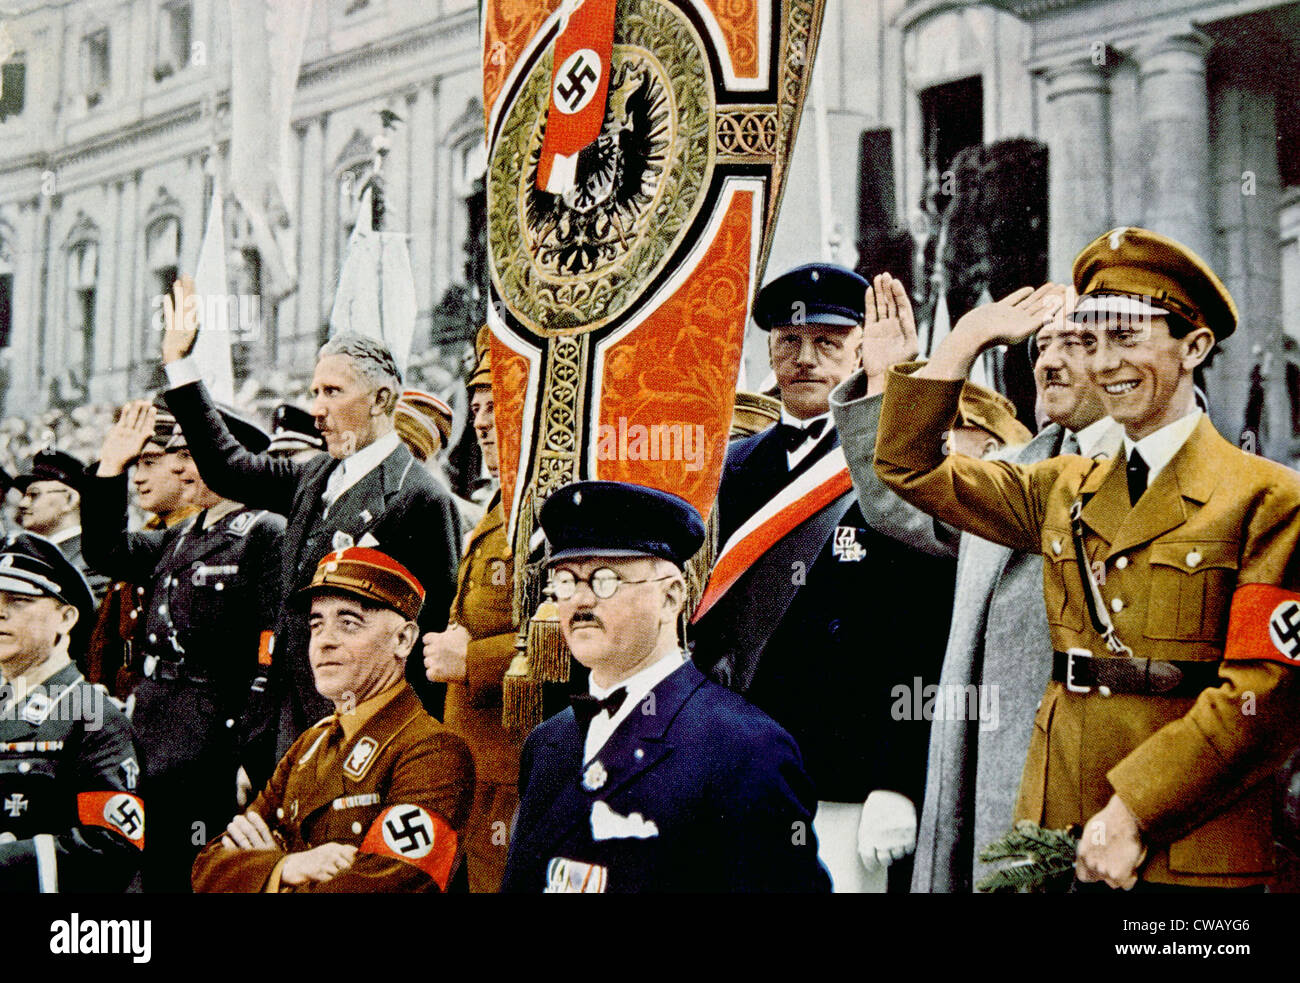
<point>1070,684</point>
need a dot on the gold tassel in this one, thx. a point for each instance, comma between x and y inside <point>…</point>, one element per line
<point>519,603</point>
<point>521,696</point>
<point>548,653</point>
<point>699,566</point>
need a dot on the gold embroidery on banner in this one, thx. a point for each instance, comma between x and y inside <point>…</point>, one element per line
<point>571,262</point>
<point>746,134</point>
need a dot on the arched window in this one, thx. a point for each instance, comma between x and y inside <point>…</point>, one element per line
<point>82,254</point>
<point>162,252</point>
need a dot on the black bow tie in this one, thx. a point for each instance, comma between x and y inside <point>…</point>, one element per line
<point>586,706</point>
<point>794,437</point>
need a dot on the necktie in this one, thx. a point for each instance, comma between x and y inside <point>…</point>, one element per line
<point>327,752</point>
<point>332,485</point>
<point>586,706</point>
<point>794,437</point>
<point>1137,476</point>
<point>1070,445</point>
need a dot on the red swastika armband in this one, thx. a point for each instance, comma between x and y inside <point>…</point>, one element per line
<point>415,836</point>
<point>121,812</point>
<point>1264,623</point>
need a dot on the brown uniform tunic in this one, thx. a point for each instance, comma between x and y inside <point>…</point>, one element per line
<point>1195,770</point>
<point>334,790</point>
<point>473,708</point>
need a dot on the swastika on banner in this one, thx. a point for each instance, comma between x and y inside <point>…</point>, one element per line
<point>577,81</point>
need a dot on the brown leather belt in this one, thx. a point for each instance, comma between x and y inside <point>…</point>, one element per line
<point>1082,672</point>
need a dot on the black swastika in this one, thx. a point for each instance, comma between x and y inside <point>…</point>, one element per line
<point>580,73</point>
<point>411,832</point>
<point>1284,626</point>
<point>127,817</point>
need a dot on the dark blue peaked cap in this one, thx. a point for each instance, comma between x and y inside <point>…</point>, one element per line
<point>32,565</point>
<point>611,518</point>
<point>818,293</point>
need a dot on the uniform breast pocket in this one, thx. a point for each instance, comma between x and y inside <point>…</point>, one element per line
<point>1191,588</point>
<point>1062,585</point>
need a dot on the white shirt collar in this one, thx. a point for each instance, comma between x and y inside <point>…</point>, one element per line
<point>1159,448</point>
<point>63,535</point>
<point>805,424</point>
<point>352,469</point>
<point>638,686</point>
<point>1099,437</point>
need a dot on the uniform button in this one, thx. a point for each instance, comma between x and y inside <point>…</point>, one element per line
<point>134,615</point>
<point>279,813</point>
<point>356,827</point>
<point>1117,605</point>
<point>1121,563</point>
<point>1193,558</point>
<point>162,608</point>
<point>230,723</point>
<point>220,585</point>
<point>1056,546</point>
<point>24,767</point>
<point>638,754</point>
<point>153,637</point>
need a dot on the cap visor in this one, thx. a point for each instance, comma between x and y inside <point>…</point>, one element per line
<point>582,551</point>
<point>831,319</point>
<point>1125,305</point>
<point>21,585</point>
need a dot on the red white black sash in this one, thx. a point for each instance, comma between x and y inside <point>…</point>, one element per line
<point>797,502</point>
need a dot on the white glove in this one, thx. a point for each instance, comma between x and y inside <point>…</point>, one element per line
<point>888,828</point>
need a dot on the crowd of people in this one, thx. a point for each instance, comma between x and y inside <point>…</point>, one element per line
<point>924,622</point>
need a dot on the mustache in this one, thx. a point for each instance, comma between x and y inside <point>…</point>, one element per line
<point>584,618</point>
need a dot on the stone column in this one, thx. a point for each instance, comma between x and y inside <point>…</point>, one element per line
<point>1078,140</point>
<point>1175,131</point>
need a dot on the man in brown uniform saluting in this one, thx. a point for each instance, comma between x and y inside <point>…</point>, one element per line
<point>1170,589</point>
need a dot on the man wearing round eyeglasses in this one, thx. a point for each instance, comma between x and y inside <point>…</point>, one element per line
<point>657,780</point>
<point>50,506</point>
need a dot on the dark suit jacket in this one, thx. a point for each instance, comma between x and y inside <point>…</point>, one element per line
<point>810,635</point>
<point>721,782</point>
<point>398,504</point>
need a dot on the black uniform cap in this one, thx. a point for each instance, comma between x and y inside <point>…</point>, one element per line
<point>168,433</point>
<point>818,293</point>
<point>32,565</point>
<point>293,429</point>
<point>53,466</point>
<point>611,518</point>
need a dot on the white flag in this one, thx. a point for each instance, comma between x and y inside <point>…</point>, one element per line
<point>267,38</point>
<point>219,310</point>
<point>376,293</point>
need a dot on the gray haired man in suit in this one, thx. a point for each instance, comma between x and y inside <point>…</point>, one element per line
<point>999,650</point>
<point>368,490</point>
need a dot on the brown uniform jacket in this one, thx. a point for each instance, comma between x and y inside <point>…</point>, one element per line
<point>482,607</point>
<point>1193,770</point>
<point>414,760</point>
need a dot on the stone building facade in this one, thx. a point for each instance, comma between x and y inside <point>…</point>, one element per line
<point>115,120</point>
